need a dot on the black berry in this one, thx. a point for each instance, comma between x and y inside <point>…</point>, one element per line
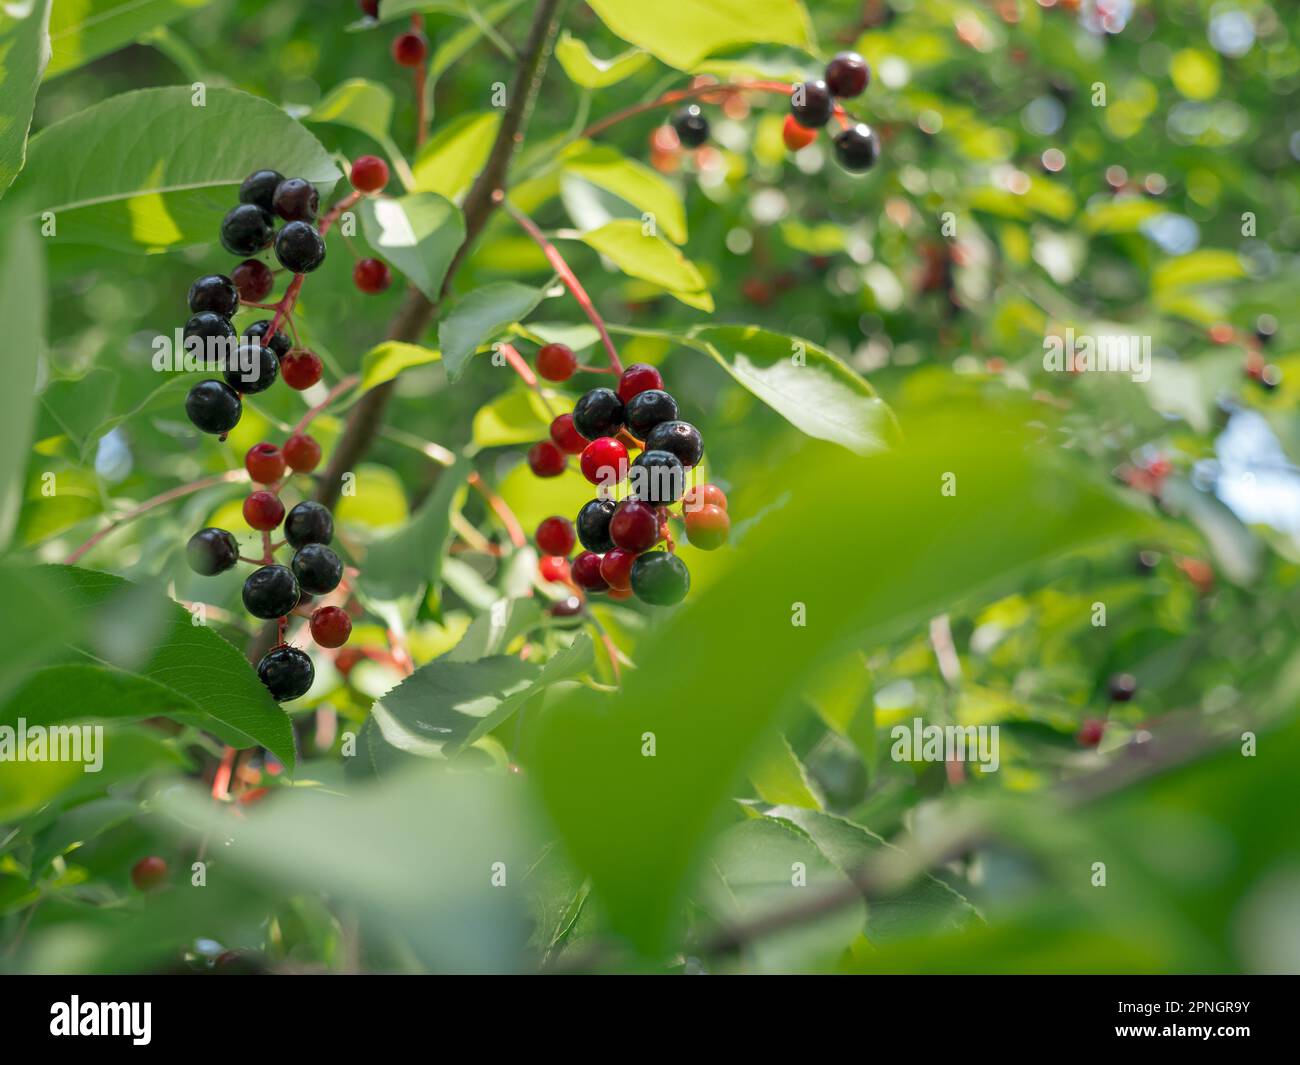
<point>247,229</point>
<point>287,673</point>
<point>1122,687</point>
<point>317,568</point>
<point>811,104</point>
<point>255,370</point>
<point>296,200</point>
<point>211,551</point>
<point>216,293</point>
<point>259,188</point>
<point>660,579</point>
<point>856,148</point>
<point>598,413</point>
<point>593,525</point>
<point>691,126</point>
<point>657,477</point>
<point>279,344</point>
<point>270,592</point>
<point>205,326</point>
<point>847,75</point>
<point>681,438</point>
<point>647,409</point>
<point>309,523</point>
<point>300,248</point>
<point>213,407</point>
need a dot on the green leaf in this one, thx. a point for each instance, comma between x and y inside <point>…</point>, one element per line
<point>586,70</point>
<point>455,45</point>
<point>181,173</point>
<point>635,182</point>
<point>650,258</point>
<point>779,777</point>
<point>480,317</point>
<point>24,52</point>
<point>82,30</point>
<point>81,406</point>
<point>411,557</point>
<point>1207,267</point>
<point>360,104</point>
<point>448,163</point>
<point>1120,216</point>
<point>385,361</point>
<point>516,417</point>
<point>494,630</point>
<point>418,234</point>
<point>22,309</point>
<point>698,29</point>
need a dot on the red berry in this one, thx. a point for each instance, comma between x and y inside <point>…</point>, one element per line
<point>555,536</point>
<point>604,462</point>
<point>556,362</point>
<point>301,369</point>
<point>545,459</point>
<point>553,568</point>
<point>370,8</point>
<point>372,275</point>
<point>708,527</point>
<point>331,626</point>
<point>795,135</point>
<point>616,568</point>
<point>409,49</point>
<point>254,280</point>
<point>263,510</point>
<point>586,572</point>
<point>302,453</point>
<point>566,435</point>
<point>634,526</point>
<point>346,660</point>
<point>369,174</point>
<point>703,495</point>
<point>149,873</point>
<point>264,463</point>
<point>1091,732</point>
<point>636,379</point>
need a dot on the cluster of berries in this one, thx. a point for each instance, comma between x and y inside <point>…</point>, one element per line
<point>274,591</point>
<point>1257,368</point>
<point>618,537</point>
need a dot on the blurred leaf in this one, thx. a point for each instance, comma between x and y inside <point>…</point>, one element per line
<point>455,45</point>
<point>779,777</point>
<point>25,50</point>
<point>586,70</point>
<point>480,317</point>
<point>494,630</point>
<point>449,161</point>
<point>635,183</point>
<point>363,105</point>
<point>1120,216</point>
<point>410,558</point>
<point>517,417</point>
<point>418,234</point>
<point>385,361</point>
<point>650,258</point>
<point>1199,268</point>
<point>82,30</point>
<point>22,309</point>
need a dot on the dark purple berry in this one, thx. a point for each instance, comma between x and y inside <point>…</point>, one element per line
<point>657,477</point>
<point>296,200</point>
<point>287,673</point>
<point>255,370</point>
<point>598,413</point>
<point>847,75</point>
<point>213,407</point>
<point>279,344</point>
<point>691,126</point>
<point>300,247</point>
<point>247,229</point>
<point>216,293</point>
<point>592,525</point>
<point>211,551</point>
<point>270,592</point>
<point>317,568</point>
<point>259,188</point>
<point>647,409</point>
<point>308,522</point>
<point>681,438</point>
<point>856,148</point>
<point>811,104</point>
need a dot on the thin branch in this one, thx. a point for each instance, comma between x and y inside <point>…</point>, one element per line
<point>502,510</point>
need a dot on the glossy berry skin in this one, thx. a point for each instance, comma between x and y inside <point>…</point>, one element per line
<point>593,525</point>
<point>847,75</point>
<point>856,148</point>
<point>566,436</point>
<point>264,463</point>
<point>270,592</point>
<point>409,49</point>
<point>247,229</point>
<point>556,362</point>
<point>263,369</point>
<point>287,673</point>
<point>647,409</point>
<point>263,510</point>
<point>703,495</point>
<point>636,379</point>
<point>586,572</point>
<point>372,275</point>
<point>657,477</point>
<point>369,174</point>
<point>634,526</point>
<point>1122,687</point>
<point>553,568</point>
<point>555,536</point>
<point>660,579</point>
<point>302,369</point>
<point>213,407</point>
<point>796,136</point>
<point>598,413</point>
<point>308,522</point>
<point>690,125</point>
<point>616,568</point>
<point>331,626</point>
<point>279,344</point>
<point>296,200</point>
<point>300,247</point>
<point>811,104</point>
<point>211,551</point>
<point>259,188</point>
<point>216,293</point>
<point>254,280</point>
<point>569,607</point>
<point>149,873</point>
<point>681,438</point>
<point>545,459</point>
<point>205,326</point>
<point>604,462</point>
<point>317,568</point>
<point>302,453</point>
<point>708,527</point>
<point>1090,734</point>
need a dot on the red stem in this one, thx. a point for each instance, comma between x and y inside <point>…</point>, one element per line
<point>344,384</point>
<point>525,371</point>
<point>502,509</point>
